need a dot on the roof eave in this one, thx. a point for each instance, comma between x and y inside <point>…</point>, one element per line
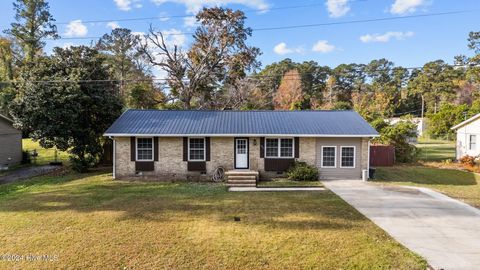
<point>241,134</point>
<point>468,121</point>
<point>6,118</point>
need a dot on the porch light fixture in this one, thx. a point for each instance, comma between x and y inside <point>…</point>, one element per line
<point>254,141</point>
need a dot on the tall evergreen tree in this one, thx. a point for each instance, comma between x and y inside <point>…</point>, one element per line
<point>33,24</point>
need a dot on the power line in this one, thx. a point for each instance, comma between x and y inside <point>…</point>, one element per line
<point>368,20</point>
<point>251,76</point>
<point>191,16</point>
<point>286,27</point>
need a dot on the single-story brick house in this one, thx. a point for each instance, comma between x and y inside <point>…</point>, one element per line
<point>190,145</point>
<point>468,137</point>
<point>10,143</point>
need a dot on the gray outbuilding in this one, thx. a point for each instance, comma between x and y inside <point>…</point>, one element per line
<point>10,143</point>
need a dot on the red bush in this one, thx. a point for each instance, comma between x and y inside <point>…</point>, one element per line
<point>467,160</point>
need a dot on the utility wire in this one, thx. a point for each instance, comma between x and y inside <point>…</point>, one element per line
<point>286,27</point>
<point>251,76</point>
<point>190,15</point>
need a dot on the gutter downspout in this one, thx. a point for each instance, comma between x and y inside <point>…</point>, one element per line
<point>114,157</point>
<point>368,154</point>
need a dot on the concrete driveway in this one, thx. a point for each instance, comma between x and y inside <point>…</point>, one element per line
<point>444,231</point>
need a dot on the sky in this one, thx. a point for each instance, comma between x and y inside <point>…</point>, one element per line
<point>409,42</point>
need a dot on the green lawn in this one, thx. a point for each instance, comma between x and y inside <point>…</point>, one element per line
<point>90,221</point>
<point>436,150</point>
<point>283,182</point>
<point>458,184</point>
<point>45,156</point>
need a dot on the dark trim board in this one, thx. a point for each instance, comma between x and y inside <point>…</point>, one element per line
<point>144,166</point>
<point>196,166</point>
<point>278,164</point>
<point>235,152</point>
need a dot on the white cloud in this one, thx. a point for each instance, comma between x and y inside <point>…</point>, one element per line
<point>113,25</point>
<point>174,37</point>
<point>164,17</point>
<point>126,5</point>
<point>282,49</point>
<point>406,6</point>
<point>76,29</point>
<point>337,8</point>
<point>323,46</point>
<point>193,6</point>
<point>386,37</point>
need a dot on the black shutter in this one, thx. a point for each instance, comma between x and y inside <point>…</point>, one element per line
<point>297,147</point>
<point>262,147</point>
<point>185,148</point>
<point>132,148</point>
<point>207,149</point>
<point>155,148</point>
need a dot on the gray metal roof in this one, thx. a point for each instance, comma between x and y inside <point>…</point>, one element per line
<point>234,123</point>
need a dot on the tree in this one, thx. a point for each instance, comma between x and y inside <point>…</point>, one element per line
<point>121,47</point>
<point>218,56</point>
<point>8,70</point>
<point>144,96</point>
<point>269,79</point>
<point>33,24</point>
<point>289,95</point>
<point>347,79</point>
<point>386,82</point>
<point>314,82</point>
<point>398,136</point>
<point>6,59</point>
<point>474,41</point>
<point>437,83</point>
<point>440,123</point>
<point>72,115</point>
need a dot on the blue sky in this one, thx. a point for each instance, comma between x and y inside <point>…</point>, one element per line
<point>407,42</point>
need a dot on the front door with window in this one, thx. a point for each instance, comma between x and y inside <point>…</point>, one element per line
<point>241,153</point>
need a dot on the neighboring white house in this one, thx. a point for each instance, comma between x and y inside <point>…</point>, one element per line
<point>468,137</point>
<point>418,121</point>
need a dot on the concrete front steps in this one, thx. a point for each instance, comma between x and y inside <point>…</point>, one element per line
<point>241,178</point>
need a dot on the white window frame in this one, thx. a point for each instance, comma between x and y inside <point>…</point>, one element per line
<point>334,157</point>
<point>470,141</point>
<point>279,147</point>
<point>136,149</point>
<point>204,149</point>
<point>354,156</point>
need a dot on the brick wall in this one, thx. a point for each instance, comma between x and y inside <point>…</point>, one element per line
<point>171,167</point>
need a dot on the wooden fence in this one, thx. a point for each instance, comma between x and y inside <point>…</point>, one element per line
<point>382,155</point>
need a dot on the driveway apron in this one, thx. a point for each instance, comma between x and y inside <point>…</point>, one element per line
<point>444,231</point>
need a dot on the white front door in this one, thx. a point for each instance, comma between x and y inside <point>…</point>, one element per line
<point>241,153</point>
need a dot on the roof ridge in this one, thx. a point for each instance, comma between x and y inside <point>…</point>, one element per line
<point>192,110</point>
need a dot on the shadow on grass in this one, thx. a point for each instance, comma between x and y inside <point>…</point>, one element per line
<point>163,202</point>
<point>57,177</point>
<point>425,175</point>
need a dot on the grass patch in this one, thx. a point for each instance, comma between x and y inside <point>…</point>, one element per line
<point>45,155</point>
<point>454,183</point>
<point>90,221</point>
<point>284,182</point>
<point>435,150</point>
